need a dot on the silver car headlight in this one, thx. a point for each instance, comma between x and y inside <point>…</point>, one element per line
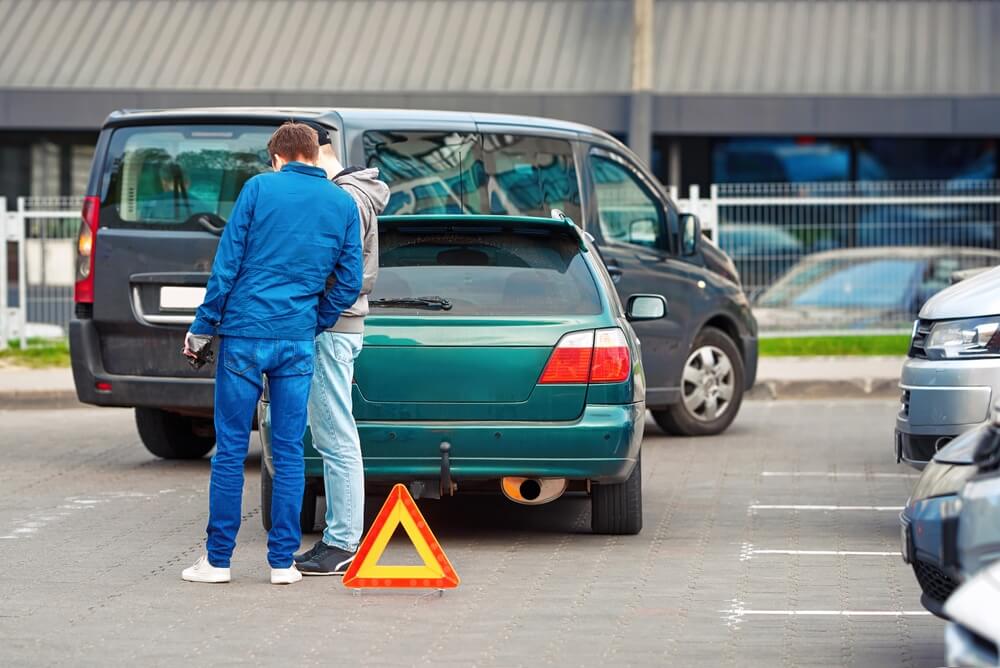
<point>964,339</point>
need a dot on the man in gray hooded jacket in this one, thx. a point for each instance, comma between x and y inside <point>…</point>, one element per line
<point>334,433</point>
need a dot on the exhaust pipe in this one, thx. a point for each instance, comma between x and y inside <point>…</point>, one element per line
<point>532,491</point>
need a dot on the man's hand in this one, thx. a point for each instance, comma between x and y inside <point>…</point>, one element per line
<point>195,343</point>
<point>188,351</point>
<point>198,349</point>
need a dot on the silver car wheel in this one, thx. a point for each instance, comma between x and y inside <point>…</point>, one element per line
<point>708,384</point>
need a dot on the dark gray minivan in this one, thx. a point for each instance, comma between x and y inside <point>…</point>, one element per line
<point>164,182</point>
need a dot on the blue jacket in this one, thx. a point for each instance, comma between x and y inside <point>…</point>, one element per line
<point>288,232</point>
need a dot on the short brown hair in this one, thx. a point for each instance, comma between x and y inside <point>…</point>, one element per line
<point>294,140</point>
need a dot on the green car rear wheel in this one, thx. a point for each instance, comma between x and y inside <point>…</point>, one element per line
<point>617,508</point>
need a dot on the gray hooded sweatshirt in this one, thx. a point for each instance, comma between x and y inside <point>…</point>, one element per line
<point>371,196</point>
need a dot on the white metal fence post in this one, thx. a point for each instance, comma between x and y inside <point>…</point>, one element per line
<point>22,275</point>
<point>5,221</point>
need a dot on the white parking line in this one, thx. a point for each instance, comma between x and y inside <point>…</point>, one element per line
<point>764,506</point>
<point>831,553</point>
<point>737,613</point>
<point>748,552</point>
<point>831,613</point>
<point>834,474</point>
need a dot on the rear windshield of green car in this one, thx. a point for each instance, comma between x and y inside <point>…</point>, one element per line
<point>164,176</point>
<point>485,272</point>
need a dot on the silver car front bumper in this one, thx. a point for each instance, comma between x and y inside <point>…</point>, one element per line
<point>940,400</point>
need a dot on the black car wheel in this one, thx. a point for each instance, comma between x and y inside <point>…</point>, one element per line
<point>711,388</point>
<point>617,508</point>
<point>307,517</point>
<point>172,436</point>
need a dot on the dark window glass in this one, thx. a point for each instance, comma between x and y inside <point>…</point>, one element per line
<point>628,210</point>
<point>428,172</point>
<point>916,159</point>
<point>486,271</point>
<point>164,176</point>
<point>15,173</point>
<point>530,176</point>
<point>779,160</point>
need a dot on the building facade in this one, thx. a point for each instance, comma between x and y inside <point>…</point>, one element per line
<point>742,90</point>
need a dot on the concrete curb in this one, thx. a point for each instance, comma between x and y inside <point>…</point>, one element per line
<point>38,399</point>
<point>862,388</point>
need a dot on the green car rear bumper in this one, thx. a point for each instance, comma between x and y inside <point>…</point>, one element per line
<point>601,445</point>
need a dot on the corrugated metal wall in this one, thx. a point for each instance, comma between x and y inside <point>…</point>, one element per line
<point>724,47</point>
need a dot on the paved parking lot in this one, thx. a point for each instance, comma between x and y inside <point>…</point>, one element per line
<point>774,545</point>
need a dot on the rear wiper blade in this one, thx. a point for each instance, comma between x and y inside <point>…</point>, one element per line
<point>414,302</point>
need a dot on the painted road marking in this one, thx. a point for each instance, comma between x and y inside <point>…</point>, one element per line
<point>830,613</point>
<point>737,613</point>
<point>834,474</point>
<point>748,552</point>
<point>764,506</point>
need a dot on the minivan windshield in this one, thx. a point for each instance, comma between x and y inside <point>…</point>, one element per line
<point>482,271</point>
<point>169,176</point>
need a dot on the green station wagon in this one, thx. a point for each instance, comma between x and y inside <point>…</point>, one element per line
<point>497,354</point>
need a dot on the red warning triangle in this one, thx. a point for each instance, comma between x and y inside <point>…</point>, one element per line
<point>365,571</point>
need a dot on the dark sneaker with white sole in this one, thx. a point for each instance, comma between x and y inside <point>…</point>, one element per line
<point>308,554</point>
<point>327,560</point>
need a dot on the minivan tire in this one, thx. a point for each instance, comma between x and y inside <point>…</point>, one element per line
<point>616,509</point>
<point>171,436</point>
<point>307,517</point>
<point>678,419</point>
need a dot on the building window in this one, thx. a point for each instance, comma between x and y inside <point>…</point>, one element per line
<point>899,159</point>
<point>48,164</point>
<point>780,160</point>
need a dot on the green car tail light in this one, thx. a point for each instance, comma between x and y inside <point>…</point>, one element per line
<point>591,356</point>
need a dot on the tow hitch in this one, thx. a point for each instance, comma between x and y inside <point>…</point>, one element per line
<point>448,486</point>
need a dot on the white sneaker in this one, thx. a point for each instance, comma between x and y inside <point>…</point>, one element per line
<point>285,576</point>
<point>202,571</point>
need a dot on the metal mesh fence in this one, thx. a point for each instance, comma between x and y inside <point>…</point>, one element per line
<point>51,225</point>
<point>853,256</point>
<point>813,257</point>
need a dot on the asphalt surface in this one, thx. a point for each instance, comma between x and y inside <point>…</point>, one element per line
<point>94,533</point>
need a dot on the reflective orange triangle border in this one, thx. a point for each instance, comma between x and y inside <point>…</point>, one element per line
<point>365,571</point>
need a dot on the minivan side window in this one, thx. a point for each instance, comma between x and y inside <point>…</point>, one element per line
<point>428,172</point>
<point>164,176</point>
<point>530,176</point>
<point>628,211</point>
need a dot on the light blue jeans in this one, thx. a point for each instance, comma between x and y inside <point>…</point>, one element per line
<point>335,437</point>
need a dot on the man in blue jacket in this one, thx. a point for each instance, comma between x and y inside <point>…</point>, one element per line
<point>289,231</point>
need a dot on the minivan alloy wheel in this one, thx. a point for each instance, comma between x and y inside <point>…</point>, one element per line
<point>708,383</point>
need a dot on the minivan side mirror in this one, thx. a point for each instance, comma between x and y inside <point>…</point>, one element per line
<point>646,307</point>
<point>690,233</point>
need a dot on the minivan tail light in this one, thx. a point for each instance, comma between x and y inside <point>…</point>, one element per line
<point>612,362</point>
<point>86,240</point>
<point>570,360</point>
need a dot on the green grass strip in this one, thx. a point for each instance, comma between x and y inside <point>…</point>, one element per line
<point>39,354</point>
<point>894,344</point>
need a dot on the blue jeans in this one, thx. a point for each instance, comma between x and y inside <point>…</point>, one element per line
<point>242,364</point>
<point>335,437</point>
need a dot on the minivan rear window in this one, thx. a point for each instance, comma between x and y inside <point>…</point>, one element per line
<point>484,271</point>
<point>168,176</point>
<point>454,172</point>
